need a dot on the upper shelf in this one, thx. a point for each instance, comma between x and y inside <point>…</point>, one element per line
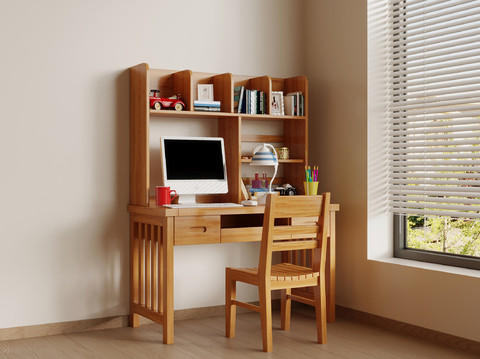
<point>185,83</point>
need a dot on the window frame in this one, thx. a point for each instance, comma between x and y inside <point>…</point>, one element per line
<point>400,249</point>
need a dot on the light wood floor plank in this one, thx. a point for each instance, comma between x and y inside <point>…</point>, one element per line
<point>185,347</point>
<point>15,349</point>
<point>205,338</point>
<point>43,348</point>
<point>69,347</point>
<point>96,345</point>
<point>126,345</point>
<point>152,344</point>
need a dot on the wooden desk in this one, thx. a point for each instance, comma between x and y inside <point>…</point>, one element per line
<point>154,231</point>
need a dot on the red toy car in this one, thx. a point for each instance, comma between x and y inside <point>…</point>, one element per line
<point>157,102</point>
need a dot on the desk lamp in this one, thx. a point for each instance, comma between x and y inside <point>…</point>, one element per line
<point>263,157</point>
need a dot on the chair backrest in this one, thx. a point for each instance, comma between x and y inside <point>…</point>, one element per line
<point>285,222</point>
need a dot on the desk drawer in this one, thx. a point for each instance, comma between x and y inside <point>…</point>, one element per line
<point>197,230</point>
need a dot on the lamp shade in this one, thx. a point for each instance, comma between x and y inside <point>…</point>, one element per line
<point>263,157</point>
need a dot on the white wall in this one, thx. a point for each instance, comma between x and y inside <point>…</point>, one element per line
<point>64,139</point>
<point>431,296</point>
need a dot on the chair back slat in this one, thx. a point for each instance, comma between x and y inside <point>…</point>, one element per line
<point>293,246</point>
<point>298,231</point>
<point>298,206</point>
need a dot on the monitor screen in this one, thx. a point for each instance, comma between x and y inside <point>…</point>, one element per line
<point>194,165</point>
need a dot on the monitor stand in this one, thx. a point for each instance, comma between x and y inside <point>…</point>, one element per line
<point>186,199</point>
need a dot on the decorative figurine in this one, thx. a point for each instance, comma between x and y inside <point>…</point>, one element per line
<point>158,103</point>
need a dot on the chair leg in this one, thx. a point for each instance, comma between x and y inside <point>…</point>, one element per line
<point>265,296</point>
<point>286,309</point>
<point>230,309</point>
<point>321,311</point>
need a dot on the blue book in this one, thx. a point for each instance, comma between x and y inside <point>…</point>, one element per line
<point>197,103</point>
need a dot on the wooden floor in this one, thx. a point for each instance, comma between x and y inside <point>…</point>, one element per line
<point>204,338</point>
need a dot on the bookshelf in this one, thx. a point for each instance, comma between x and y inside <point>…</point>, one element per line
<point>170,82</point>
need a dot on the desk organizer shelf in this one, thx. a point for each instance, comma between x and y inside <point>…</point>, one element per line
<point>172,82</point>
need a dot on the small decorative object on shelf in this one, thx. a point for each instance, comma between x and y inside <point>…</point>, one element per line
<point>205,92</point>
<point>286,190</point>
<point>277,103</point>
<point>283,153</point>
<point>158,103</point>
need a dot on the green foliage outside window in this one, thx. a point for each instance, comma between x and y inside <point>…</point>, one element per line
<point>444,234</point>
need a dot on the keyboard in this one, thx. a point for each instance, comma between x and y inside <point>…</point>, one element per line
<point>203,205</point>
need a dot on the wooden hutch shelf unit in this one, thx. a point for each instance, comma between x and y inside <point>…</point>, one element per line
<point>169,82</point>
<point>155,231</point>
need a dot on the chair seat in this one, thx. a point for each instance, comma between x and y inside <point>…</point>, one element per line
<point>283,272</point>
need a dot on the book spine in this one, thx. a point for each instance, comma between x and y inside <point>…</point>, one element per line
<point>253,102</point>
<point>207,109</point>
<point>240,99</point>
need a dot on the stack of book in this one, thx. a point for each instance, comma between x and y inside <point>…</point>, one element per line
<point>249,101</point>
<point>213,106</point>
<point>294,104</point>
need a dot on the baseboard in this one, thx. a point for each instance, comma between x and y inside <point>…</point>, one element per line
<point>43,330</point>
<point>466,345</point>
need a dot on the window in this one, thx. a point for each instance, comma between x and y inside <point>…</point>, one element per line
<point>434,130</point>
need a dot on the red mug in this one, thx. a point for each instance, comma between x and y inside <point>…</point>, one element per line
<point>163,195</point>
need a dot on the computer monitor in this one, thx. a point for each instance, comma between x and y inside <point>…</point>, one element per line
<point>193,165</point>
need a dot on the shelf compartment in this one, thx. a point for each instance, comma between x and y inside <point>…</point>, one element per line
<point>171,82</point>
<point>262,83</point>
<point>222,89</point>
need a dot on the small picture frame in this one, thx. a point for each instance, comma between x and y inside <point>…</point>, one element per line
<point>205,92</point>
<point>276,103</point>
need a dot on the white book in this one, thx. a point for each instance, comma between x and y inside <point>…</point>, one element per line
<point>289,101</point>
<point>253,102</point>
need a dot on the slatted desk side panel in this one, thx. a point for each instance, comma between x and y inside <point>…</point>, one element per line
<point>146,270</point>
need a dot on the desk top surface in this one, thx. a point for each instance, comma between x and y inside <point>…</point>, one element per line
<point>181,212</point>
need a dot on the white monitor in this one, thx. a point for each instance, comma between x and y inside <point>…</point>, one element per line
<point>193,165</point>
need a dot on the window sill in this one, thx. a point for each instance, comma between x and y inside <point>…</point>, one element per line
<point>430,266</point>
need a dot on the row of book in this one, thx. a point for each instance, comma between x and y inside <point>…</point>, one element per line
<point>208,106</point>
<point>294,104</point>
<point>255,102</point>
<point>249,101</point>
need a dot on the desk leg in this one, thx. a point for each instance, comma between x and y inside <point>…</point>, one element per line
<point>168,281</point>
<point>330,271</point>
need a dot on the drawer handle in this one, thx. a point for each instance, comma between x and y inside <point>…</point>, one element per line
<point>198,229</point>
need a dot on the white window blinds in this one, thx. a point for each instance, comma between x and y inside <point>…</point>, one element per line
<point>434,107</point>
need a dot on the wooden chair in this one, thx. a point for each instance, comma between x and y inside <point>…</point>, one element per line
<point>282,233</point>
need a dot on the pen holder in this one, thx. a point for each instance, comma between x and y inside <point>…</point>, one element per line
<point>311,188</point>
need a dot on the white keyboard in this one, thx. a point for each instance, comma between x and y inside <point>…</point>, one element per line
<point>203,205</point>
